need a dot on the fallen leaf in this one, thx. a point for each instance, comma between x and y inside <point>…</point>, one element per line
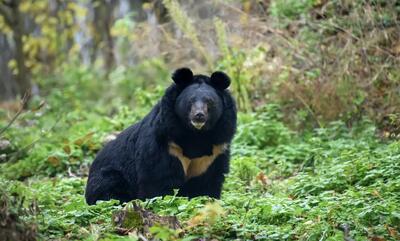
<point>261,177</point>
<point>393,232</point>
<point>53,160</point>
<point>67,149</point>
<point>82,140</point>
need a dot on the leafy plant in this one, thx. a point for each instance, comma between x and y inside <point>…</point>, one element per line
<point>263,128</point>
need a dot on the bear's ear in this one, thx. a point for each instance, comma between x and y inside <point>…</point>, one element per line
<point>182,77</point>
<point>220,80</point>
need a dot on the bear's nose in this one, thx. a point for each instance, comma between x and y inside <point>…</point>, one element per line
<point>200,117</point>
<point>198,112</point>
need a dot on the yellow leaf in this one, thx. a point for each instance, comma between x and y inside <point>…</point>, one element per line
<point>53,160</point>
<point>67,149</point>
<point>262,178</point>
<point>39,19</point>
<point>208,215</point>
<point>147,6</point>
<point>81,141</point>
<point>12,64</point>
<point>393,232</point>
<point>25,6</point>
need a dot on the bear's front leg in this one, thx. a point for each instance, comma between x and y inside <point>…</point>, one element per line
<point>210,183</point>
<point>160,180</point>
<point>158,187</point>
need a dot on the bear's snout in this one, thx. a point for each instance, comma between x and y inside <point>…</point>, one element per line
<point>198,114</point>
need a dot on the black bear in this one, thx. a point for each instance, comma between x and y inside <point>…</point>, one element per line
<point>183,143</point>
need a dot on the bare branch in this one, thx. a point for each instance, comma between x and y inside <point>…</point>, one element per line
<point>17,154</point>
<point>23,103</point>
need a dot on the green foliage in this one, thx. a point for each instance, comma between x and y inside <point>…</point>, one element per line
<point>13,226</point>
<point>263,128</point>
<point>65,133</point>
<point>283,185</point>
<point>290,9</point>
<point>232,61</point>
<point>130,82</point>
<point>243,66</point>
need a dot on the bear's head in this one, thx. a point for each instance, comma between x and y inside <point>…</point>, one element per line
<point>200,102</point>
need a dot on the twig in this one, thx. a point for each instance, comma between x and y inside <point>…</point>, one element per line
<point>142,237</point>
<point>279,33</point>
<point>381,49</point>
<point>70,174</point>
<point>17,153</point>
<point>320,125</point>
<point>23,103</point>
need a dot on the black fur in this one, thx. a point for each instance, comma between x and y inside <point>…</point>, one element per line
<point>137,165</point>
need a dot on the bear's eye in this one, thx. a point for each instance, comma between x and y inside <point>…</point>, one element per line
<point>210,103</point>
<point>192,100</point>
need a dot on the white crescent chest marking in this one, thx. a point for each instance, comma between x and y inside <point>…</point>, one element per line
<point>196,166</point>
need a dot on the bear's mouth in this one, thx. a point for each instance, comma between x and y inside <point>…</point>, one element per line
<point>197,125</point>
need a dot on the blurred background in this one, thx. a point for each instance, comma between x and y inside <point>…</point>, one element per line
<point>321,60</point>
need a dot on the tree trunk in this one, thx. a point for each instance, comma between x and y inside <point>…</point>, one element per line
<point>103,20</point>
<point>23,78</point>
<point>13,18</point>
<point>8,85</point>
<point>108,22</point>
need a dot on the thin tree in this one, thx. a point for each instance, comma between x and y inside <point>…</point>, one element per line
<point>15,21</point>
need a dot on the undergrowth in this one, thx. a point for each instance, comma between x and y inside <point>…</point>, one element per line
<point>328,183</point>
